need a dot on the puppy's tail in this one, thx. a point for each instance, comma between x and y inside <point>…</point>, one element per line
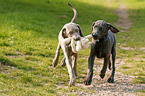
<point>75,13</point>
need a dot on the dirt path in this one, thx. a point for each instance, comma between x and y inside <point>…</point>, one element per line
<point>124,21</point>
<point>122,86</point>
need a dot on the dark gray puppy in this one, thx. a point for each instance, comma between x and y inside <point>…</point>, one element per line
<point>103,46</point>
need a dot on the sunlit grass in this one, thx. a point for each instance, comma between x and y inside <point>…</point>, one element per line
<point>28,40</point>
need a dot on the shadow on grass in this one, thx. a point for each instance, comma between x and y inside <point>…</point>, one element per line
<point>6,61</point>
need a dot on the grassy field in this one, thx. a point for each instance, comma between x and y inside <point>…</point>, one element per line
<point>28,40</point>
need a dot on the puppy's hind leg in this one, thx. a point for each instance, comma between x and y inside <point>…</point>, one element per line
<point>55,61</point>
<point>111,77</point>
<point>109,65</point>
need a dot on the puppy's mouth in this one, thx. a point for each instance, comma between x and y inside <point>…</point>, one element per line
<point>77,39</point>
<point>96,38</point>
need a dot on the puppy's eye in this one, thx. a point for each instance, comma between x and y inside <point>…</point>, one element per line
<point>76,30</point>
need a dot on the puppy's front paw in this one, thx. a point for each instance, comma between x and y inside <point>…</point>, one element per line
<point>110,80</point>
<point>54,63</point>
<point>87,81</point>
<point>102,75</point>
<point>71,84</point>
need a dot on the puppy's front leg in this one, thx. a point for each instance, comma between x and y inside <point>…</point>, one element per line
<point>89,76</point>
<point>74,60</point>
<point>55,61</point>
<point>69,65</point>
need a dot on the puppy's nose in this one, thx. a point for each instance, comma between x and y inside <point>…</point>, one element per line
<point>77,38</point>
<point>95,36</point>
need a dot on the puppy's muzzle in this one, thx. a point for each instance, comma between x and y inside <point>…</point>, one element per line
<point>77,38</point>
<point>95,36</point>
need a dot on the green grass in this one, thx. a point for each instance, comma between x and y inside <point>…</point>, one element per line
<point>135,58</point>
<point>28,40</point>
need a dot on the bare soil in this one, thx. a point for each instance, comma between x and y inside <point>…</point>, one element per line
<point>124,21</point>
<point>122,86</point>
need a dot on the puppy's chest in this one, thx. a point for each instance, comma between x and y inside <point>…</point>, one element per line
<point>100,51</point>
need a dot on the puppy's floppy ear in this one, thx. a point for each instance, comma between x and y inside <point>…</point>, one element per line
<point>112,28</point>
<point>93,25</point>
<point>80,31</point>
<point>64,34</point>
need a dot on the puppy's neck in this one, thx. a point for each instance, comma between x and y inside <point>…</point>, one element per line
<point>104,39</point>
